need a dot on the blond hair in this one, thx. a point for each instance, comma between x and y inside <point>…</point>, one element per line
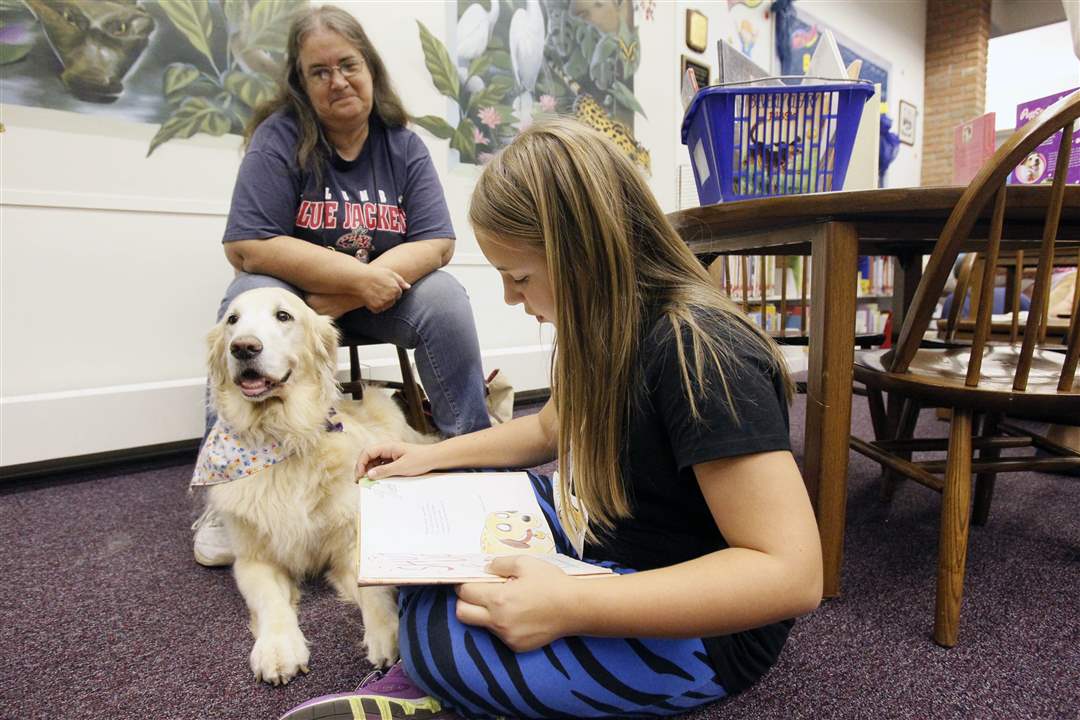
<point>611,256</point>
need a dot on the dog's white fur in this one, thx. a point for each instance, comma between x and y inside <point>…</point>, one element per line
<point>296,518</point>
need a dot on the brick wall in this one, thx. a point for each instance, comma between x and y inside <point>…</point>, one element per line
<point>957,41</point>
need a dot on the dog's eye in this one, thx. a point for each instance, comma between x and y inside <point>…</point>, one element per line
<point>283,316</point>
<point>233,319</point>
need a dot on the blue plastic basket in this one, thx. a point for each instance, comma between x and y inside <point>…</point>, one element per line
<point>748,141</point>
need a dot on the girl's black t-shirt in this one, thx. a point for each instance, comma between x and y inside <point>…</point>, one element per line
<point>671,523</point>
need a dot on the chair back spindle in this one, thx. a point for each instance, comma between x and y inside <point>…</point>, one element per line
<point>1040,295</point>
<point>986,293</point>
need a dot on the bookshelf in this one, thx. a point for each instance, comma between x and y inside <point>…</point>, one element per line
<point>786,298</point>
<point>774,290</point>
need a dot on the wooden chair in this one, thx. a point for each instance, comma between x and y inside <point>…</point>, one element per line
<point>958,326</point>
<point>979,381</point>
<point>414,409</point>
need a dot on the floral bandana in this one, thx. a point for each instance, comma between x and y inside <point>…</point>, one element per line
<point>223,459</point>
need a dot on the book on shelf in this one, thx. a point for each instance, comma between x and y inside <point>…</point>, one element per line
<point>875,275</point>
<point>757,283</point>
<point>973,144</point>
<point>445,528</point>
<point>742,276</point>
<point>1038,167</point>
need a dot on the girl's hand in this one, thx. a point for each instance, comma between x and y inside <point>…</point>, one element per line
<point>389,459</point>
<point>532,609</point>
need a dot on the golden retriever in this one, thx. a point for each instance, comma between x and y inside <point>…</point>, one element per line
<point>272,361</point>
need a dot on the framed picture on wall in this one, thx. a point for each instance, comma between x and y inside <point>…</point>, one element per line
<point>702,71</point>
<point>697,30</point>
<point>905,127</point>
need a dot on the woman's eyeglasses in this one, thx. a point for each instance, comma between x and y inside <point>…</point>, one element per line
<point>322,75</point>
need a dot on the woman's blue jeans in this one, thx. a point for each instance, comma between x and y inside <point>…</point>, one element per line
<point>433,317</point>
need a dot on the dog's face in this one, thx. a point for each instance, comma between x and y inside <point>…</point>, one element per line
<point>268,341</point>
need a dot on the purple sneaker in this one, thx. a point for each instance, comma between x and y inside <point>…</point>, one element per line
<point>380,696</point>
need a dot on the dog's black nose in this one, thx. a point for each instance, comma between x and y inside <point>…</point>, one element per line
<point>245,348</point>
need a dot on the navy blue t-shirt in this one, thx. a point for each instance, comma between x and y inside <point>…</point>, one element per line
<point>388,195</point>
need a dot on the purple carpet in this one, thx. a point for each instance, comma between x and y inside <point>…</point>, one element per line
<point>106,615</point>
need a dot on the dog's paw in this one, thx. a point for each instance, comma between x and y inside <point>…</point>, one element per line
<point>277,658</point>
<point>381,639</point>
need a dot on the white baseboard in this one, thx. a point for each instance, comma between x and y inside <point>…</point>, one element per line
<point>50,426</point>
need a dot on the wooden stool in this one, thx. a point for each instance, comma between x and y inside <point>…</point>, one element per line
<point>414,410</point>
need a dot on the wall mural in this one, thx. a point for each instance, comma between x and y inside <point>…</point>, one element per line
<point>515,61</point>
<point>749,30</point>
<point>192,66</point>
<point>805,33</point>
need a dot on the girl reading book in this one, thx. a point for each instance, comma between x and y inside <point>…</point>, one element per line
<point>668,415</point>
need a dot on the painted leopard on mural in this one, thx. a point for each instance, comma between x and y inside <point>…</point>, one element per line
<point>591,113</point>
<point>586,110</point>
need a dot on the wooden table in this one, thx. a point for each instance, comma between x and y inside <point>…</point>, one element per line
<point>834,229</point>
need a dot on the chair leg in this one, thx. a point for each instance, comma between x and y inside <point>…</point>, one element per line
<point>412,394</point>
<point>953,538</point>
<point>878,417</point>
<point>984,482</point>
<point>905,429</point>
<point>354,374</point>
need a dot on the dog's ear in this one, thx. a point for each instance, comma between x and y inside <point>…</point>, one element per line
<point>215,355</point>
<point>326,341</point>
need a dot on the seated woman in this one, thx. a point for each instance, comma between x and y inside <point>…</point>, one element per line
<point>669,418</point>
<point>338,201</point>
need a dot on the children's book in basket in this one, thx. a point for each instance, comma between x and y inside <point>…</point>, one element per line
<point>445,528</point>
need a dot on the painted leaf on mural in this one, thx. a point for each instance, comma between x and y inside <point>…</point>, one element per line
<point>494,92</point>
<point>251,89</point>
<point>435,125</point>
<point>626,97</point>
<point>179,76</point>
<point>439,64</point>
<point>464,140</point>
<point>478,66</point>
<point>268,24</point>
<point>195,115</point>
<point>16,39</point>
<point>193,19</point>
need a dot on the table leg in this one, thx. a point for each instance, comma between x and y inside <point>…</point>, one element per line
<point>906,282</point>
<point>828,387</point>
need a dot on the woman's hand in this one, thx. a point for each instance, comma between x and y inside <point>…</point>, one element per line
<point>390,459</point>
<point>333,305</point>
<point>530,610</point>
<point>382,288</point>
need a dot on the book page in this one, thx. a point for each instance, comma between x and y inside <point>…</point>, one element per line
<point>447,527</point>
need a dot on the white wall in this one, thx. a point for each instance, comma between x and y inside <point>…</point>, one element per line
<point>1026,66</point>
<point>895,31</point>
<point>111,267</point>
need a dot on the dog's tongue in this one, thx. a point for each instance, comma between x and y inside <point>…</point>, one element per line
<point>254,386</point>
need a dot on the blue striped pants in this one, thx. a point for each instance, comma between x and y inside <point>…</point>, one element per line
<point>471,671</point>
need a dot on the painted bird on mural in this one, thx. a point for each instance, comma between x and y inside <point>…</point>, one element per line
<point>527,39</point>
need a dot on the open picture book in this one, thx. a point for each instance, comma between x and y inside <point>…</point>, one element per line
<point>445,528</point>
